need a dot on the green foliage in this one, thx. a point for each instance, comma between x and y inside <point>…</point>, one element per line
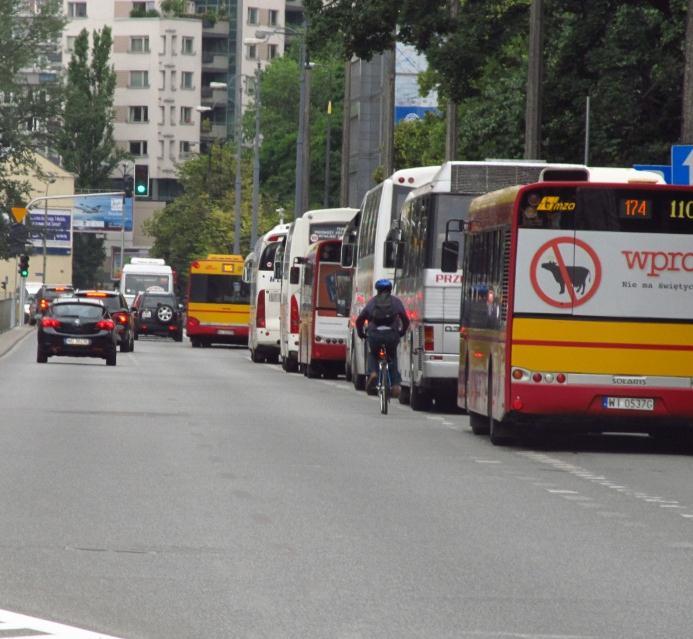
<point>420,142</point>
<point>88,255</point>
<point>177,8</point>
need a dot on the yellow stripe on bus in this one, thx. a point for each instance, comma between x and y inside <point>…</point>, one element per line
<point>601,347</point>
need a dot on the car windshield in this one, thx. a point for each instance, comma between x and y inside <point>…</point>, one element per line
<point>82,311</point>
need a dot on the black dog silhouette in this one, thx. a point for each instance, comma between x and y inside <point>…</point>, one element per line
<point>578,276</point>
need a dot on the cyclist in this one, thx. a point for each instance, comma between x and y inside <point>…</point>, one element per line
<point>387,322</point>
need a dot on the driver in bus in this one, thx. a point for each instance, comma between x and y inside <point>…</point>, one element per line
<point>387,323</point>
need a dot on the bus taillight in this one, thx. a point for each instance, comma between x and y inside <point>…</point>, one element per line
<point>260,310</point>
<point>295,320</point>
<point>193,322</point>
<point>428,338</point>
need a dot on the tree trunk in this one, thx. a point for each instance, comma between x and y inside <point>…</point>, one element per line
<point>687,110</point>
<point>534,81</point>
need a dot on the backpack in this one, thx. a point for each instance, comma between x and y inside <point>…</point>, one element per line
<point>384,311</point>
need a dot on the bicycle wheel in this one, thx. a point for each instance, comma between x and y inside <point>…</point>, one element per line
<point>383,387</point>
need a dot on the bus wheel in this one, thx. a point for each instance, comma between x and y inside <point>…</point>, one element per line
<point>404,395</point>
<point>419,398</point>
<point>479,424</point>
<point>359,381</point>
<point>312,371</point>
<point>291,365</point>
<point>256,357</point>
<point>497,430</point>
<point>195,343</point>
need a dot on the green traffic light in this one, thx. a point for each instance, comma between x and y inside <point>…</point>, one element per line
<point>24,273</point>
<point>141,188</point>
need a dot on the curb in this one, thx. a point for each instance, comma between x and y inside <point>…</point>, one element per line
<point>9,339</point>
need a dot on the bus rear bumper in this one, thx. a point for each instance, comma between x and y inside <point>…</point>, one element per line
<point>230,334</point>
<point>438,367</point>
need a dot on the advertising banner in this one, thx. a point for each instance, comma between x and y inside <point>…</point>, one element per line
<point>602,274</point>
<point>409,104</point>
<point>58,229</point>
<point>102,213</point>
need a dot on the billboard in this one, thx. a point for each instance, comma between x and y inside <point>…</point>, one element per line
<point>58,230</point>
<point>102,213</point>
<point>409,104</point>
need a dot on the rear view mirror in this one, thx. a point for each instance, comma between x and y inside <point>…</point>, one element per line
<point>294,275</point>
<point>394,254</point>
<point>450,256</point>
<point>347,256</point>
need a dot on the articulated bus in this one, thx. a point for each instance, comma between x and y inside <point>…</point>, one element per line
<point>379,209</point>
<point>265,289</point>
<point>576,308</point>
<point>313,226</point>
<point>428,355</point>
<point>324,320</point>
<point>217,307</point>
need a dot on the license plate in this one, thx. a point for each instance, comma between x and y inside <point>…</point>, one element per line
<point>146,314</point>
<point>628,403</point>
<point>77,341</point>
<point>223,332</point>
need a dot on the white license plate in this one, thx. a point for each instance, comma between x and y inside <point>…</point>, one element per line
<point>146,314</point>
<point>77,341</point>
<point>628,403</point>
<point>223,332</point>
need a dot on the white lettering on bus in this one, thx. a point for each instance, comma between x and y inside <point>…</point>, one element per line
<point>654,262</point>
<point>448,278</point>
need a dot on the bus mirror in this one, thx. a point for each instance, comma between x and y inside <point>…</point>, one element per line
<point>277,270</point>
<point>450,256</point>
<point>347,257</point>
<point>294,275</point>
<point>394,254</point>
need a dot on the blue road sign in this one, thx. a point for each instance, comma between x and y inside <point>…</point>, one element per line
<point>663,169</point>
<point>682,164</point>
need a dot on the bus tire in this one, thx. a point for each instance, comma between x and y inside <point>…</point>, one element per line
<point>194,342</point>
<point>312,371</point>
<point>419,398</point>
<point>291,365</point>
<point>498,430</point>
<point>256,357</point>
<point>359,381</point>
<point>404,395</point>
<point>478,423</point>
<point>347,370</point>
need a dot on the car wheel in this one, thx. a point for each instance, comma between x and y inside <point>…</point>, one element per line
<point>164,314</point>
<point>195,343</point>
<point>111,358</point>
<point>41,356</point>
<point>125,345</point>
<point>178,337</point>
<point>135,335</point>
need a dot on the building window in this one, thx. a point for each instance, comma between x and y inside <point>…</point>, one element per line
<point>272,51</point>
<point>162,51</point>
<point>76,9</point>
<point>173,80</point>
<point>172,115</point>
<point>253,15</point>
<point>172,149</point>
<point>139,114</point>
<point>162,115</point>
<point>252,52</point>
<point>186,80</point>
<point>187,46</point>
<point>139,79</point>
<point>250,85</point>
<point>161,149</point>
<point>70,43</point>
<point>174,43</point>
<point>186,115</point>
<point>162,80</point>
<point>139,44</point>
<point>138,147</point>
<point>273,17</point>
<point>185,148</point>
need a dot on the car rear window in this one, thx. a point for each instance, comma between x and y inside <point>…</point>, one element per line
<point>111,302</point>
<point>152,301</point>
<point>52,294</point>
<point>83,311</point>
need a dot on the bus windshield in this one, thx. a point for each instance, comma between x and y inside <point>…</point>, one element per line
<point>140,282</point>
<point>218,289</point>
<point>444,208</point>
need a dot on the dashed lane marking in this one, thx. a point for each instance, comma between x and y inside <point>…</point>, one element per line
<point>24,625</point>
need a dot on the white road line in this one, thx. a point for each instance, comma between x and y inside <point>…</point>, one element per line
<point>562,492</point>
<point>47,629</point>
<point>488,461</point>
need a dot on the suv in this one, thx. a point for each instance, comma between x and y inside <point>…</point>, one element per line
<point>158,313</point>
<point>120,313</point>
<point>45,296</point>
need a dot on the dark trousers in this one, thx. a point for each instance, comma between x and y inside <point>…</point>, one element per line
<point>389,338</point>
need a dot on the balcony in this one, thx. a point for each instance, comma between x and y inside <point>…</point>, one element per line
<point>215,62</point>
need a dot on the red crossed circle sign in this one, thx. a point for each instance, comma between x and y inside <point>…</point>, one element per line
<point>571,277</point>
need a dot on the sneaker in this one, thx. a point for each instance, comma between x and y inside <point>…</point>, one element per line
<point>371,384</point>
<point>395,391</point>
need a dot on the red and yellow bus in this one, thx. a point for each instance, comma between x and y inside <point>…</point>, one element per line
<point>577,308</point>
<point>217,305</point>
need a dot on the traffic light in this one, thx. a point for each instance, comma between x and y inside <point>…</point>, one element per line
<point>128,184</point>
<point>142,180</point>
<point>23,266</point>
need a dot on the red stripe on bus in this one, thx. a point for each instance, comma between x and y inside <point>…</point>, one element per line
<point>647,347</point>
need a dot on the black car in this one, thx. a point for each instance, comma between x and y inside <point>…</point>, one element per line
<point>158,313</point>
<point>77,327</point>
<point>45,296</point>
<point>115,302</point>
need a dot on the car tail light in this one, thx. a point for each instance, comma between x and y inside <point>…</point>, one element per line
<point>295,320</point>
<point>121,318</point>
<point>428,338</point>
<point>50,322</point>
<point>43,304</point>
<point>105,325</point>
<point>260,310</point>
<point>193,322</point>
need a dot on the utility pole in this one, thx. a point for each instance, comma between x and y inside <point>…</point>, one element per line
<point>328,135</point>
<point>302,196</point>
<point>238,108</point>
<point>451,124</point>
<point>388,116</point>
<point>534,81</point>
<point>346,138</point>
<point>256,160</point>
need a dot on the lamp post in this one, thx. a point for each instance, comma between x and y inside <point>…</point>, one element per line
<point>256,159</point>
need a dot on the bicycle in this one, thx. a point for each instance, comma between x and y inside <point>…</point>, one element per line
<point>384,380</point>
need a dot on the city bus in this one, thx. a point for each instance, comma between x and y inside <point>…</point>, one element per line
<point>265,289</point>
<point>217,305</point>
<point>364,251</point>
<point>313,226</point>
<point>324,319</point>
<point>576,308</point>
<point>428,355</point>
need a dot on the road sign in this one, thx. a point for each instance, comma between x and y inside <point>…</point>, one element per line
<point>18,213</point>
<point>663,169</point>
<point>682,164</point>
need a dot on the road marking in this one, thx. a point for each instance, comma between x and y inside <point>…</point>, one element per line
<point>47,629</point>
<point>488,461</point>
<point>563,492</point>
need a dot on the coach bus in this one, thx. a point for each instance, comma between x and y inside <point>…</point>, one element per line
<point>379,209</point>
<point>323,327</point>
<point>217,304</point>
<point>313,226</point>
<point>265,288</point>
<point>429,354</point>
<point>576,308</point>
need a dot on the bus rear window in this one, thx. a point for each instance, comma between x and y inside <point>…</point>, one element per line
<point>268,256</point>
<point>218,289</point>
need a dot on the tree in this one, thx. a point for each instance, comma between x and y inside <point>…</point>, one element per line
<point>687,106</point>
<point>86,141</point>
<point>27,114</point>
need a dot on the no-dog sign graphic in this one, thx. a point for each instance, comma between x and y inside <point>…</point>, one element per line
<point>565,272</point>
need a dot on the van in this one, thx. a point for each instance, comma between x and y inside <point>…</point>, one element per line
<point>143,274</point>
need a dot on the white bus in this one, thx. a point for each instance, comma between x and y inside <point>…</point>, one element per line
<point>265,289</point>
<point>379,209</point>
<point>143,273</point>
<point>428,356</point>
<point>315,225</point>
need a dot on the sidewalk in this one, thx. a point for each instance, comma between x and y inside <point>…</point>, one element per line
<point>9,338</point>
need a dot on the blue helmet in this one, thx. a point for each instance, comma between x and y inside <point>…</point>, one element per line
<point>383,285</point>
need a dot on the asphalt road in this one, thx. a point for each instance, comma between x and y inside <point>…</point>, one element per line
<point>188,493</point>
